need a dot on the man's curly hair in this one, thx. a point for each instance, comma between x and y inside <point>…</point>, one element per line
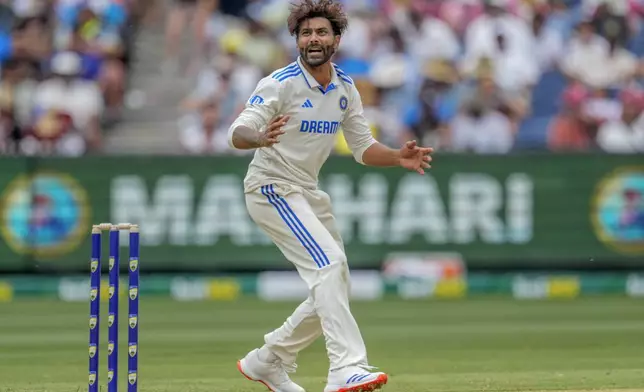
<point>308,9</point>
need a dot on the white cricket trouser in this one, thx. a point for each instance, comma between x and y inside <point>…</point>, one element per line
<point>300,222</point>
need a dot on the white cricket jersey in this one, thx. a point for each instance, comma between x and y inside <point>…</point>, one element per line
<point>310,134</point>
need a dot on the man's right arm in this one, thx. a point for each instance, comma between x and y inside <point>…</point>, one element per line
<point>244,138</point>
<point>246,131</point>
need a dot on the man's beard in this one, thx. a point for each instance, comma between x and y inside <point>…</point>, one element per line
<point>317,59</point>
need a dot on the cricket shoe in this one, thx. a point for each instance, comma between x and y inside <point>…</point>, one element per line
<point>355,379</point>
<point>271,374</point>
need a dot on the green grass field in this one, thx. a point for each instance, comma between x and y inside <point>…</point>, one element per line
<point>437,346</point>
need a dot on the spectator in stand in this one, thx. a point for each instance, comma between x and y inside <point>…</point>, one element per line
<point>395,73</point>
<point>17,88</point>
<point>625,135</point>
<point>483,124</point>
<point>67,104</point>
<point>181,15</point>
<point>417,30</point>
<point>549,43</point>
<point>586,56</point>
<point>95,31</point>
<point>609,20</point>
<point>202,132</point>
<point>23,38</point>
<point>437,105</point>
<point>621,65</point>
<point>358,41</point>
<point>508,42</point>
<point>482,36</point>
<point>572,129</point>
<point>229,79</point>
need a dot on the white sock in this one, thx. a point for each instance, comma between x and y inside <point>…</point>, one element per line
<point>266,355</point>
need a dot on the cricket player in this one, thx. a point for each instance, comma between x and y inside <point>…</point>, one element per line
<point>291,121</point>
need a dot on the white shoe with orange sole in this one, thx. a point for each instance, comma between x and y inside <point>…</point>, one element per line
<point>355,379</point>
<point>272,374</point>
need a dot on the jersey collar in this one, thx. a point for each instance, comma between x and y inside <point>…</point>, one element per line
<point>312,83</point>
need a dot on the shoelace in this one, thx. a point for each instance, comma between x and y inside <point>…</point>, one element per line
<point>288,367</point>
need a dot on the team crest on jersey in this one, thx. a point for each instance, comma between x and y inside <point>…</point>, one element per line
<point>344,102</point>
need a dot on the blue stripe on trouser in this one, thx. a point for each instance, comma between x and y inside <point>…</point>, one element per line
<point>272,198</point>
<point>297,227</point>
<point>282,201</point>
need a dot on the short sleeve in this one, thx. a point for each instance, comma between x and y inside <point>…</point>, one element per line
<point>355,126</point>
<point>261,107</point>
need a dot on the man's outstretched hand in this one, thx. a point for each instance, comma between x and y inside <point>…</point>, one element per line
<point>273,131</point>
<point>415,158</point>
<point>245,138</point>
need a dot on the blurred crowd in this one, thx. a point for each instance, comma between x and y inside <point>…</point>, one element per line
<point>481,76</point>
<point>63,73</point>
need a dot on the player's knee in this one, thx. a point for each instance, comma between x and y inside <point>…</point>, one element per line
<point>331,281</point>
<point>337,265</point>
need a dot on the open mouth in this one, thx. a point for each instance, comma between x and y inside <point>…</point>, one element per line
<point>315,51</point>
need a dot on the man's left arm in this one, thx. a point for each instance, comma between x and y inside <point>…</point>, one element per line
<point>368,151</point>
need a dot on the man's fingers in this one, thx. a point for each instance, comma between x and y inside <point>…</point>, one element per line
<point>281,119</point>
<point>427,158</point>
<point>426,150</point>
<point>272,137</point>
<point>279,122</point>
<point>275,132</point>
<point>425,165</point>
<point>412,145</point>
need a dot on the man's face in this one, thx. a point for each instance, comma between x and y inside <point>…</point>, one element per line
<point>316,41</point>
